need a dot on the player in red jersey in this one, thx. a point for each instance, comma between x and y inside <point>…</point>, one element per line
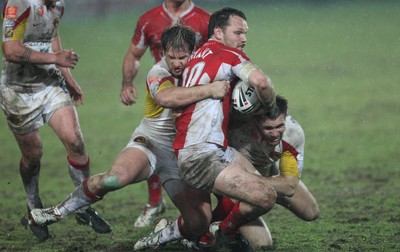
<point>148,34</point>
<point>205,160</point>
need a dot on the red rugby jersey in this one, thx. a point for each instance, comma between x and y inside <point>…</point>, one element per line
<point>153,22</point>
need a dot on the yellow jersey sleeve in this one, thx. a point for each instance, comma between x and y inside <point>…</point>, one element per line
<point>288,165</point>
<point>15,19</point>
<point>151,108</point>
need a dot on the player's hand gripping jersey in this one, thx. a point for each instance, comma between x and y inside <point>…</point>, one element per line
<point>151,25</point>
<point>288,155</point>
<point>35,25</point>
<point>207,121</point>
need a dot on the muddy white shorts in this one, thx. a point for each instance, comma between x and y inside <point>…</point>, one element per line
<point>158,150</point>
<point>200,164</point>
<point>26,112</point>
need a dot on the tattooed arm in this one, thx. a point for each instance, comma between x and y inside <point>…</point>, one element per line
<point>15,51</point>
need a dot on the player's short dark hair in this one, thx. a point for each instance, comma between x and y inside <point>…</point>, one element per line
<point>280,108</point>
<point>179,37</point>
<point>220,18</point>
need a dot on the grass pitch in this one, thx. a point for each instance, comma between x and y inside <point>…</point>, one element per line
<point>337,63</point>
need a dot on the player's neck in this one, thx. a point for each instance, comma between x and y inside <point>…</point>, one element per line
<point>176,8</point>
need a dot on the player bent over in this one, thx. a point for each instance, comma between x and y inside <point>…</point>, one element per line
<point>274,144</point>
<point>36,88</point>
<point>150,148</point>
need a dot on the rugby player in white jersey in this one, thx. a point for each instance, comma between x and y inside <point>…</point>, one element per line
<point>148,31</point>
<point>36,88</point>
<point>150,147</point>
<point>274,143</point>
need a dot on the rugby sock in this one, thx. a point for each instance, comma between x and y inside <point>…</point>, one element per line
<point>207,240</point>
<point>231,224</point>
<point>155,190</point>
<point>79,198</point>
<point>78,172</point>
<point>171,232</point>
<point>31,185</point>
<point>222,209</point>
<point>181,229</point>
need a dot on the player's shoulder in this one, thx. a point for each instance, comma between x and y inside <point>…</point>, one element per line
<point>159,70</point>
<point>233,54</point>
<point>294,133</point>
<point>200,11</point>
<point>14,6</point>
<point>150,14</point>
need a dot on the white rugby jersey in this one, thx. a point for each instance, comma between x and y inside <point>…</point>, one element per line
<point>288,155</point>
<point>207,121</point>
<point>35,25</point>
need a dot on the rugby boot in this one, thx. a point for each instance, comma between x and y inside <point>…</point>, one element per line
<point>91,218</point>
<point>152,240</point>
<point>235,244</point>
<point>150,214</point>
<point>41,232</point>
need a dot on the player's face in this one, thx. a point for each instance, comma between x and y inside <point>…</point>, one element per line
<point>235,33</point>
<point>272,130</point>
<point>176,60</point>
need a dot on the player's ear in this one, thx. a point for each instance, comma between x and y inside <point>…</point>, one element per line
<point>218,33</point>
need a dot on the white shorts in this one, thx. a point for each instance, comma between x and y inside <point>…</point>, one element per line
<point>26,112</point>
<point>159,152</point>
<point>200,164</point>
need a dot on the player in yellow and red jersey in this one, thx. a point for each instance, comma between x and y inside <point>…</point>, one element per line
<point>274,143</point>
<point>147,34</point>
<point>36,88</point>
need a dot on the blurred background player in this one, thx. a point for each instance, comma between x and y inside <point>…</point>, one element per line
<point>36,88</point>
<point>148,34</point>
<point>150,147</point>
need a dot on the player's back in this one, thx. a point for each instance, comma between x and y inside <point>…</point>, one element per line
<point>212,62</point>
<point>207,120</point>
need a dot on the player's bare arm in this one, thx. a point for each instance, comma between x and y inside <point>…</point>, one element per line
<point>261,82</point>
<point>16,51</point>
<point>73,87</point>
<point>285,186</point>
<point>130,68</point>
<point>174,97</point>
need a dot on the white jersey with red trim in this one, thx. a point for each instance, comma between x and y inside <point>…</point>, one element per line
<point>288,155</point>
<point>207,121</point>
<point>35,25</point>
